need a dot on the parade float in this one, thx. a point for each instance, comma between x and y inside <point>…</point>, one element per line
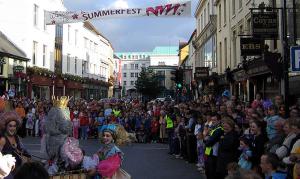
<point>65,159</point>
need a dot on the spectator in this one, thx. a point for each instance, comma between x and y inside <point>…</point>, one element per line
<point>271,119</point>
<point>244,160</point>
<point>211,146</point>
<point>228,145</point>
<point>257,145</point>
<point>289,129</point>
<point>269,164</point>
<point>31,170</point>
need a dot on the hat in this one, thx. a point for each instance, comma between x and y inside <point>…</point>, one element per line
<point>226,93</point>
<point>118,132</point>
<point>7,117</point>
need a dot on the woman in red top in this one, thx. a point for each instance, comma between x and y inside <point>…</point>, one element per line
<point>154,129</point>
<point>84,124</point>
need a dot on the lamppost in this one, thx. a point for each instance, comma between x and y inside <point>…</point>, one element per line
<point>53,76</point>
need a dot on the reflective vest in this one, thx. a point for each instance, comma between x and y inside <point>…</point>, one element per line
<point>169,122</point>
<point>209,149</point>
<point>116,112</point>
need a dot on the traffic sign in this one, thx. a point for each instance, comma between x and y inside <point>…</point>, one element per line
<point>295,59</point>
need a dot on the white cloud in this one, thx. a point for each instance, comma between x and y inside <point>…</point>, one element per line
<point>119,4</point>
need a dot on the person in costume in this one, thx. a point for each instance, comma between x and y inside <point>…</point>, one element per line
<point>63,152</point>
<point>109,156</point>
<point>9,122</point>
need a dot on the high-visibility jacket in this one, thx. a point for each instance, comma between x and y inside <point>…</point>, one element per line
<point>116,112</point>
<point>208,150</point>
<point>169,122</point>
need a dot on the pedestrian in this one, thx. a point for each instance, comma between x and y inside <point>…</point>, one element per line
<point>200,144</point>
<point>30,122</point>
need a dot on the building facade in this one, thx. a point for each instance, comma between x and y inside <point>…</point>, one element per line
<point>70,59</point>
<point>132,64</point>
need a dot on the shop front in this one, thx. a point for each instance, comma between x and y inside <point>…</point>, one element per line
<point>39,87</point>
<point>73,89</point>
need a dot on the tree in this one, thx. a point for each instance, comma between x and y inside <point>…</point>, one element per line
<point>148,83</point>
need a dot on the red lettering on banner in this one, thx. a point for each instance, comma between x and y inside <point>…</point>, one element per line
<point>159,10</point>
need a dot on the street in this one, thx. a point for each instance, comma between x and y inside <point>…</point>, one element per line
<point>142,161</point>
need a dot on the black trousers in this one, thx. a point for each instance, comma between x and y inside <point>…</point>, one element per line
<point>191,148</point>
<point>210,167</point>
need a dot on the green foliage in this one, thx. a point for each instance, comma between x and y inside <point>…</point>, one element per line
<point>148,83</point>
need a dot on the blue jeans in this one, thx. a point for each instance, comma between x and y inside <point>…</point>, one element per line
<point>83,130</point>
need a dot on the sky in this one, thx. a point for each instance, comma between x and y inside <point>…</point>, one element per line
<point>140,34</point>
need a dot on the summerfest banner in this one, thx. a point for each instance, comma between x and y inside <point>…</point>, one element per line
<point>180,9</point>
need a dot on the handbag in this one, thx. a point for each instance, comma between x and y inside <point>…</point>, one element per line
<point>121,174</point>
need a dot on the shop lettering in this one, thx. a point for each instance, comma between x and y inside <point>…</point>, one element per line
<point>251,46</point>
<point>159,10</point>
<point>260,20</point>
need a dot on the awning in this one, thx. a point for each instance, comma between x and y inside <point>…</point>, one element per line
<point>9,49</point>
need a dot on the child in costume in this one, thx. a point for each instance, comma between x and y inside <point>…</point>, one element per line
<point>109,155</point>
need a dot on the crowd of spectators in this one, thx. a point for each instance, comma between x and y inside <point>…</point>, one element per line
<point>222,136</point>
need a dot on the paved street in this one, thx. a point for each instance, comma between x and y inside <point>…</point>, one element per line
<point>142,161</point>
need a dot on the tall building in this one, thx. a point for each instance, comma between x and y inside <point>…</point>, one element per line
<point>71,59</point>
<point>132,64</point>
<point>162,59</point>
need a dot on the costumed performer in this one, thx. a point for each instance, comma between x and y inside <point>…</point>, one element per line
<point>59,147</point>
<point>9,122</point>
<point>109,156</point>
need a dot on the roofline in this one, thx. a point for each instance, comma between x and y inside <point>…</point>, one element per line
<point>4,54</point>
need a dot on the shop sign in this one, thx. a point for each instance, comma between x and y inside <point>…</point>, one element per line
<point>265,25</point>
<point>18,68</point>
<point>201,72</point>
<point>251,46</point>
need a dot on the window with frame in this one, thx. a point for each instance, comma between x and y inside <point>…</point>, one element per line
<point>76,35</point>
<point>75,64</point>
<point>136,66</point>
<point>44,54</point>
<point>234,48</point>
<point>136,74</point>
<point>124,75</point>
<point>34,52</point>
<point>131,66</point>
<point>69,32</point>
<point>220,17</point>
<point>131,74</point>
<point>125,66</point>
<point>225,12</point>
<point>68,62</point>
<point>124,83</point>
<point>35,14</point>
<point>131,82</point>
<point>225,53</point>
<point>45,26</point>
<point>233,6</point>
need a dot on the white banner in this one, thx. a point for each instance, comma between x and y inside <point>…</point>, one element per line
<point>180,9</point>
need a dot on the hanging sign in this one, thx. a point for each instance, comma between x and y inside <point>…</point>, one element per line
<point>180,9</point>
<point>265,25</point>
<point>251,46</point>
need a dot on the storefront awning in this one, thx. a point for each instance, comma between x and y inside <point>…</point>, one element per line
<point>9,49</point>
